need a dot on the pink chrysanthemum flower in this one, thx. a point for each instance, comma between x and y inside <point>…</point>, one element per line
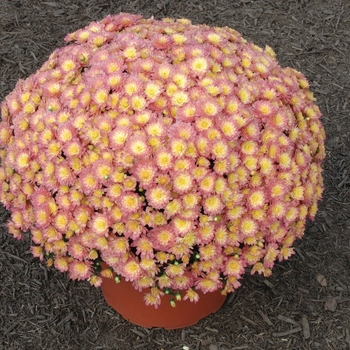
<point>65,133</point>
<point>164,159</point>
<point>208,251</point>
<point>203,123</point>
<point>190,200</point>
<point>205,233</point>
<point>88,182</point>
<point>181,130</point>
<point>114,191</point>
<point>208,285</point>
<point>158,197</point>
<point>173,207</point>
<point>131,270</point>
<point>257,199</point>
<point>79,270</point>
<point>138,146</point>
<point>265,109</point>
<point>203,146</point>
<point>60,221</point>
<point>72,149</point>
<point>102,170</point>
<point>187,112</point>
<point>213,205</point>
<point>182,282</point>
<point>17,218</point>
<point>234,267</point>
<point>199,65</point>
<point>178,147</point>
<point>191,295</point>
<point>5,133</point>
<point>182,182</point>
<point>118,246</point>
<point>52,235</point>
<point>164,281</point>
<point>95,281</point>
<point>76,249</point>
<point>61,264</point>
<point>278,209</point>
<point>153,298</point>
<point>181,226</point>
<point>144,247</point>
<point>277,188</point>
<point>285,253</point>
<point>130,202</point>
<point>176,269</point>
<point>133,229</point>
<point>118,137</point>
<point>155,128</point>
<point>82,215</point>
<point>248,227</point>
<point>99,224</point>
<point>64,174</point>
<point>37,252</point>
<point>145,174</point>
<point>270,255</point>
<point>143,282</point>
<point>42,216</point>
<point>149,267</point>
<point>162,237</point>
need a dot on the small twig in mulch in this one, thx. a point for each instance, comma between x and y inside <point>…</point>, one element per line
<point>285,333</point>
<point>13,256</point>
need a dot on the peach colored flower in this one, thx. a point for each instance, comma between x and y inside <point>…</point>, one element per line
<point>79,270</point>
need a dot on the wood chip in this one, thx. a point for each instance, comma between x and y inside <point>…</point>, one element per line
<point>214,330</point>
<point>321,280</point>
<point>347,338</point>
<point>51,3</point>
<point>248,320</point>
<point>306,327</point>
<point>269,284</point>
<point>331,304</point>
<point>265,318</point>
<point>134,330</point>
<point>66,319</point>
<point>287,319</point>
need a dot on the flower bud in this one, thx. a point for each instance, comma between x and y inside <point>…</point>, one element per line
<point>178,296</point>
<point>117,279</point>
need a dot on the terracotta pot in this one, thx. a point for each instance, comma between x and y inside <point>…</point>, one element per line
<point>128,302</point>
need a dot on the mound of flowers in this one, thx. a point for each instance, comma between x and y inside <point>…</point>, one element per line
<point>180,155</point>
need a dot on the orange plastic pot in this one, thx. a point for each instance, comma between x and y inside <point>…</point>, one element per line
<point>128,302</point>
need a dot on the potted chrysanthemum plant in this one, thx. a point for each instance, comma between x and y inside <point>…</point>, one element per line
<point>166,156</point>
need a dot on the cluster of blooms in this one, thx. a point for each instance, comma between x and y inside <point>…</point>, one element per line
<point>180,155</point>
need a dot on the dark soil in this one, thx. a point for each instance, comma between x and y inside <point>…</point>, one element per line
<point>306,302</point>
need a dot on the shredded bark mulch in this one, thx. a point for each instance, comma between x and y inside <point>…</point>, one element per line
<point>306,302</point>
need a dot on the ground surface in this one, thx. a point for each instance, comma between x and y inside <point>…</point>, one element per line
<point>41,309</point>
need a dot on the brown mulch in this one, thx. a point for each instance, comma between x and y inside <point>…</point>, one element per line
<point>306,302</point>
